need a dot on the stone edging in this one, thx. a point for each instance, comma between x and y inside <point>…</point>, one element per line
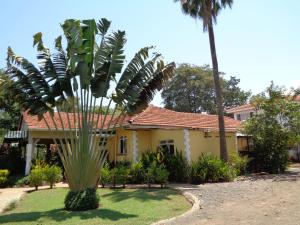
<point>196,206</point>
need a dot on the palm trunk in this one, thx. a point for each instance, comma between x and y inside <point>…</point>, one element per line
<point>220,110</point>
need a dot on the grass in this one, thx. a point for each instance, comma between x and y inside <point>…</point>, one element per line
<point>119,206</point>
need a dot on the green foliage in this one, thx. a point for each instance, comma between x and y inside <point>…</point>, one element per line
<point>83,74</point>
<point>274,130</point>
<point>52,174</point>
<point>9,108</point>
<point>122,174</point>
<point>36,177</point>
<point>82,200</point>
<point>177,166</point>
<point>22,181</point>
<point>211,169</point>
<point>150,174</point>
<point>3,177</point>
<point>137,173</point>
<point>161,175</point>
<point>104,175</point>
<point>192,90</point>
<point>239,163</point>
<point>13,161</point>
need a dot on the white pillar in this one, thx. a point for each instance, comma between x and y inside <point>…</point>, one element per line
<point>186,137</point>
<point>29,150</point>
<point>134,146</point>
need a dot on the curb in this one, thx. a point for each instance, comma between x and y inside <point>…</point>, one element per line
<point>196,206</point>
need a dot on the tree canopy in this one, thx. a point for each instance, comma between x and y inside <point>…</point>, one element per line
<point>192,90</point>
<point>275,129</point>
<point>9,109</point>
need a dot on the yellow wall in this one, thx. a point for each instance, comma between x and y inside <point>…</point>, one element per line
<point>149,140</point>
<point>210,144</point>
<point>160,135</point>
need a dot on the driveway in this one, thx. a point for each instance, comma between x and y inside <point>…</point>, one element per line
<point>255,200</point>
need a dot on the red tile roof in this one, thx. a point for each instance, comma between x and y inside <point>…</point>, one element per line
<point>33,122</point>
<point>151,117</point>
<point>156,116</point>
<point>249,107</point>
<point>241,108</point>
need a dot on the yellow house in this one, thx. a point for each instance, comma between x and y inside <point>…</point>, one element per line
<point>155,127</point>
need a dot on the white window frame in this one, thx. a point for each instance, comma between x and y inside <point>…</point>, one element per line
<point>168,143</point>
<point>123,145</point>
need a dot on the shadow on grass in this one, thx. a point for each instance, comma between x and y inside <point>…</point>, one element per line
<point>60,215</point>
<point>142,195</point>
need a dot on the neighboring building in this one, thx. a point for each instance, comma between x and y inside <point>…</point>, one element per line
<point>244,112</point>
<point>155,127</point>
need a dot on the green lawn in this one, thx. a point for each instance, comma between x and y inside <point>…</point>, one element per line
<point>121,206</point>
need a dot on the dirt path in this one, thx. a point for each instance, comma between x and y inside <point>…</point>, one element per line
<point>255,200</point>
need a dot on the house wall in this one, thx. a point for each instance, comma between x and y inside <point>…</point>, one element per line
<point>149,140</point>
<point>161,134</point>
<point>201,143</point>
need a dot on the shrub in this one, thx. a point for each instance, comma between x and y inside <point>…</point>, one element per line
<point>36,177</point>
<point>137,173</point>
<point>239,163</point>
<point>82,200</point>
<point>161,175</point>
<point>13,160</point>
<point>114,176</point>
<point>150,174</point>
<point>177,166</point>
<point>211,169</point>
<point>122,175</point>
<point>52,174</point>
<point>3,177</point>
<point>22,181</point>
<point>104,175</point>
<point>228,173</point>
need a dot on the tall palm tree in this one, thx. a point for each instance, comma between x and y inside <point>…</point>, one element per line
<point>207,11</point>
<point>84,74</point>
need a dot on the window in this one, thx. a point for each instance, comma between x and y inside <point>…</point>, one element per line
<point>238,117</point>
<point>167,146</point>
<point>123,145</point>
<point>103,141</point>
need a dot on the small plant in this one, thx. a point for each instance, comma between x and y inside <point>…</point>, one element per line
<point>211,169</point>
<point>52,174</point>
<point>22,182</point>
<point>137,173</point>
<point>36,178</point>
<point>104,175</point>
<point>3,177</point>
<point>122,175</point>
<point>161,175</point>
<point>82,200</point>
<point>114,176</point>
<point>150,174</point>
<point>239,163</point>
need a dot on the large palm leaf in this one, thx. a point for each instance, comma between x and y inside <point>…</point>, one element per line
<point>83,75</point>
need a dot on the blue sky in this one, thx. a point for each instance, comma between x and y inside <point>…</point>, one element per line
<point>257,41</point>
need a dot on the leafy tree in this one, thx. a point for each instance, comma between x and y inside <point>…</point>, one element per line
<point>275,130</point>
<point>207,11</point>
<point>9,109</point>
<point>192,90</point>
<point>85,71</point>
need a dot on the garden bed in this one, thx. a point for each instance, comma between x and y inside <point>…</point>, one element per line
<point>117,206</point>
